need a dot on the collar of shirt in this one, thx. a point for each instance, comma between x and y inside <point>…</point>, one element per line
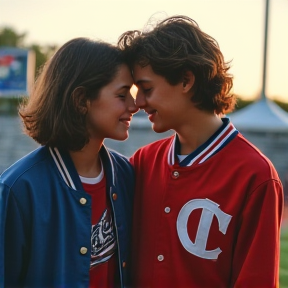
<point>214,144</point>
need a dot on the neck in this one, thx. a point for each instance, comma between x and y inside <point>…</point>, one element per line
<point>198,131</point>
<point>87,160</point>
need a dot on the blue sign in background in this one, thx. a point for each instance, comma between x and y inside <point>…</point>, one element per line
<point>13,71</point>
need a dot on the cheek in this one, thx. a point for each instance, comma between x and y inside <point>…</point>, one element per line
<point>119,108</point>
<point>162,94</point>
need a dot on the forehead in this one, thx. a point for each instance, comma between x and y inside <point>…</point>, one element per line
<point>143,74</point>
<point>123,77</point>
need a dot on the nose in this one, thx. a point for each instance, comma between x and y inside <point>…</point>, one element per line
<point>131,106</point>
<point>140,100</point>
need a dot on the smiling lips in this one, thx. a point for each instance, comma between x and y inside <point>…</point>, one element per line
<point>151,114</point>
<point>125,121</point>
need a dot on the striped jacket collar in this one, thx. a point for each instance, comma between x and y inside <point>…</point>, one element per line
<point>68,171</point>
<point>214,144</point>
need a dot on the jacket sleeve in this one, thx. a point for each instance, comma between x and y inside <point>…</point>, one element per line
<point>11,239</point>
<point>257,251</point>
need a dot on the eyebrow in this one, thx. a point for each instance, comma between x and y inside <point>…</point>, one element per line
<point>124,87</point>
<point>142,81</point>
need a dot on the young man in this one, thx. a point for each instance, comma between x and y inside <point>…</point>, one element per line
<point>208,204</point>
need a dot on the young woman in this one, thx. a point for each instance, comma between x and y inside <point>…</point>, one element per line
<point>66,207</point>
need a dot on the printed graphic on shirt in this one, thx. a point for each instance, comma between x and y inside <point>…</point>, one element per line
<point>103,241</point>
<point>209,210</point>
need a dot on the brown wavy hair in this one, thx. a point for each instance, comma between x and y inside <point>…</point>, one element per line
<point>177,45</point>
<point>53,114</point>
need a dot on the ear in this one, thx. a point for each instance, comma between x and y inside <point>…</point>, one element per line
<point>188,81</point>
<point>79,100</point>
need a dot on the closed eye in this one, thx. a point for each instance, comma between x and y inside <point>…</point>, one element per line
<point>122,96</point>
<point>146,90</point>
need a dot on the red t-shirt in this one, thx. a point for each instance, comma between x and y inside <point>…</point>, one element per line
<point>103,265</point>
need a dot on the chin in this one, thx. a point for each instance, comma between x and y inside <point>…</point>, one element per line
<point>121,137</point>
<point>159,129</point>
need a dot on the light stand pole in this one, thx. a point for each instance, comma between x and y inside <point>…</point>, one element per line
<point>263,92</point>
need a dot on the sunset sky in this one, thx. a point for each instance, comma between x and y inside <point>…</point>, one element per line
<point>237,25</point>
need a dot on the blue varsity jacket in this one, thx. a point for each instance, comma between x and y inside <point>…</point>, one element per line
<point>45,219</point>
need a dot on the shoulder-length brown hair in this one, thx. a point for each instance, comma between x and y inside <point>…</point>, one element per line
<point>177,45</point>
<point>53,115</point>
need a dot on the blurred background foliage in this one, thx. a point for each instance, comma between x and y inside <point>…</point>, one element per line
<point>241,103</point>
<point>10,37</point>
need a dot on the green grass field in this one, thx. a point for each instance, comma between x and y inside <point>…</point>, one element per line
<point>284,259</point>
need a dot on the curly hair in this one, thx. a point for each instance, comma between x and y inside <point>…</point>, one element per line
<point>52,114</point>
<point>177,45</point>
